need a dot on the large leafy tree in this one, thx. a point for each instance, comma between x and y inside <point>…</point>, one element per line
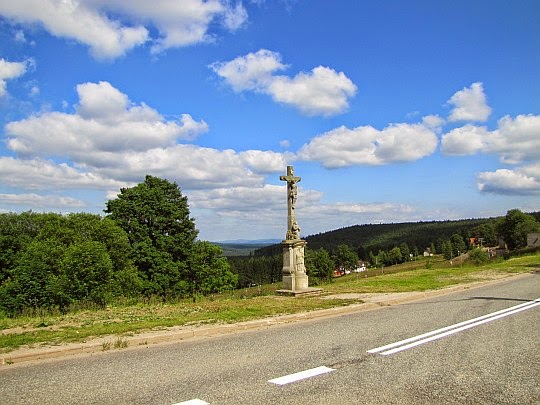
<point>209,271</point>
<point>515,226</point>
<point>319,265</point>
<point>345,257</point>
<point>155,216</point>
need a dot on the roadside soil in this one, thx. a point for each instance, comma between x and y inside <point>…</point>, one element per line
<point>113,343</point>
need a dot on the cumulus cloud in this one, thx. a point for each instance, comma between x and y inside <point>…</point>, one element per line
<point>466,140</point>
<point>515,140</point>
<point>113,27</point>
<point>80,20</point>
<point>264,161</point>
<point>9,71</point>
<point>250,72</point>
<point>192,166</point>
<point>40,174</point>
<point>525,181</point>
<point>434,122</point>
<point>105,122</point>
<point>470,104</point>
<point>366,145</point>
<point>109,137</point>
<point>40,201</point>
<point>322,91</point>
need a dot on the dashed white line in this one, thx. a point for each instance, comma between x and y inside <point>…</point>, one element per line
<point>449,330</point>
<point>287,379</point>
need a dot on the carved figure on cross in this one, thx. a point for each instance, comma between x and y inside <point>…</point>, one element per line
<point>293,230</point>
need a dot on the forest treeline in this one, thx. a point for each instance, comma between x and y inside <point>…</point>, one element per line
<point>418,236</point>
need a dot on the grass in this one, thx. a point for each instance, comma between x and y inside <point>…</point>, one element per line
<point>241,305</point>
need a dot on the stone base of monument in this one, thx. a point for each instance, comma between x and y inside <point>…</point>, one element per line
<point>300,293</point>
<point>295,279</point>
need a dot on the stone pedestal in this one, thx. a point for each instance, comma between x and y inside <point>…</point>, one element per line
<point>295,279</point>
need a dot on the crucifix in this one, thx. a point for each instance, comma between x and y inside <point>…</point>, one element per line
<point>293,230</point>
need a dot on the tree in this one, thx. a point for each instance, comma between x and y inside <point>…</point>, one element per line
<point>447,250</point>
<point>405,251</point>
<point>36,280</point>
<point>382,258</point>
<point>458,244</point>
<point>161,233</point>
<point>345,257</point>
<point>208,271</point>
<point>52,260</point>
<point>319,265</point>
<point>515,226</point>
<point>394,256</point>
<point>87,269</point>
<point>487,232</point>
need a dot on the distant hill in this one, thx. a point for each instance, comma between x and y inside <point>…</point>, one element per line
<point>248,242</point>
<point>243,248</point>
<point>373,237</point>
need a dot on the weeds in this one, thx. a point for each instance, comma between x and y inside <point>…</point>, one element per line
<point>120,343</point>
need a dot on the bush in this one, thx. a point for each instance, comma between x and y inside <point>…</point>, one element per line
<point>478,256</point>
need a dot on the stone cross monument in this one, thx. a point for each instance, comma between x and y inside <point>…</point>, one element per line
<point>295,279</point>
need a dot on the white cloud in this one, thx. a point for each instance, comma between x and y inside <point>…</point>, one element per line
<point>322,91</point>
<point>79,20</point>
<point>240,200</point>
<point>193,167</point>
<point>251,72</point>
<point>516,140</point>
<point>366,145</point>
<point>235,17</point>
<point>470,104</point>
<point>434,122</point>
<point>39,174</point>
<point>105,122</point>
<point>37,201</point>
<point>127,24</point>
<point>466,140</point>
<point>264,161</point>
<point>108,137</point>
<point>9,71</point>
<point>514,182</point>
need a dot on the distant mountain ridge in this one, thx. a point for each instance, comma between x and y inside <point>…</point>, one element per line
<point>247,242</point>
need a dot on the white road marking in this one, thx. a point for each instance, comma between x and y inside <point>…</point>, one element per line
<point>193,402</point>
<point>301,375</point>
<point>449,330</point>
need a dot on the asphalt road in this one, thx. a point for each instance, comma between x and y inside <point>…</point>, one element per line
<point>493,361</point>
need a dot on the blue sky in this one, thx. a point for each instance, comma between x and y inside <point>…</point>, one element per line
<point>389,111</point>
